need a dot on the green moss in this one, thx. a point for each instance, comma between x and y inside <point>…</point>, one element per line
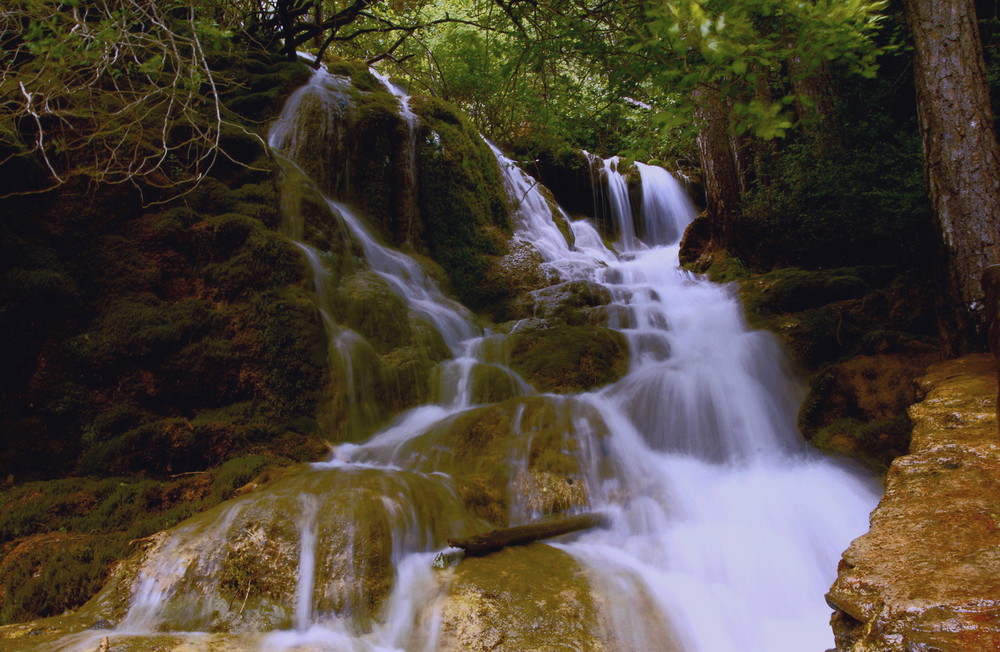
<point>236,473</point>
<point>725,269</point>
<point>570,358</point>
<point>51,574</point>
<point>531,440</point>
<point>259,260</point>
<point>529,598</point>
<point>795,290</point>
<point>367,305</point>
<point>876,443</point>
<point>461,197</point>
<point>293,348</point>
<point>361,77</point>
<point>143,326</point>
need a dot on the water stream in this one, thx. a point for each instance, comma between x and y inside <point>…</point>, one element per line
<point>726,528</point>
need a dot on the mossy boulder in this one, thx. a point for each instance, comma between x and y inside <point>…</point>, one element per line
<point>795,290</point>
<point>520,459</point>
<point>530,598</point>
<point>568,172</point>
<point>235,568</point>
<point>571,303</point>
<point>259,90</point>
<point>370,307</point>
<point>831,314</point>
<point>60,540</point>
<point>567,359</point>
<point>514,275</point>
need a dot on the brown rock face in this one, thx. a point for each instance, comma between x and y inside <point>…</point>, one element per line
<point>927,574</point>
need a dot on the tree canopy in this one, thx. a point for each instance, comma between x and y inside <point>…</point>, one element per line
<point>124,89</point>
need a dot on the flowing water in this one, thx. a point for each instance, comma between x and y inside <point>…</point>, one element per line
<point>725,528</point>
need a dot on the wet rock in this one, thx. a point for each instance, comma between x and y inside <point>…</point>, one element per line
<point>518,460</point>
<point>531,598</point>
<point>567,359</point>
<point>570,303</point>
<point>927,574</point>
<point>858,407</point>
<point>515,274</point>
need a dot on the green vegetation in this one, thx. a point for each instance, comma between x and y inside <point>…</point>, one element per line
<point>59,538</point>
<point>462,202</point>
<point>566,359</point>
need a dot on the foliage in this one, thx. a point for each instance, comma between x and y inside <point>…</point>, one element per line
<point>859,202</point>
<point>739,45</point>
<point>115,91</point>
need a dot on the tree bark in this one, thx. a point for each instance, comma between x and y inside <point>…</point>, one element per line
<point>961,159</point>
<point>814,101</point>
<point>721,175</point>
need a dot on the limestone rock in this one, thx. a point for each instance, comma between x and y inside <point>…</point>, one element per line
<point>927,574</point>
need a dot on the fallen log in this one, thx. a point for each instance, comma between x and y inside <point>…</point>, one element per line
<point>487,542</point>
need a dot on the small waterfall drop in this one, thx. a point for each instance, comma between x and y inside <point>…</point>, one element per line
<point>725,527</point>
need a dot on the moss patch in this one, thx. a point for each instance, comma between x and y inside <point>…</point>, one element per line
<point>566,359</point>
<point>463,205</point>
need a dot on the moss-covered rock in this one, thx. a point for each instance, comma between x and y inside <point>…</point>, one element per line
<point>571,303</point>
<point>568,172</point>
<point>530,598</point>
<point>463,205</point>
<point>795,290</point>
<point>520,459</point>
<point>566,359</point>
<point>370,307</point>
<point>858,407</point>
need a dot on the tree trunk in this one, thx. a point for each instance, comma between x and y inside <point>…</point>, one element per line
<point>961,159</point>
<point>814,102</point>
<point>720,174</point>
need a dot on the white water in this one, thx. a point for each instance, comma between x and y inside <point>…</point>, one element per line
<point>726,529</point>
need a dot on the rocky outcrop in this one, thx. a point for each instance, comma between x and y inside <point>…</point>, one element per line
<point>927,574</point>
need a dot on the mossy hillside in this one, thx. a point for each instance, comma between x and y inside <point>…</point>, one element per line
<point>150,340</point>
<point>59,539</point>
<point>255,84</point>
<point>463,205</point>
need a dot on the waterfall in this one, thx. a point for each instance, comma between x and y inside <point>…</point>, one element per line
<point>621,207</point>
<point>726,529</point>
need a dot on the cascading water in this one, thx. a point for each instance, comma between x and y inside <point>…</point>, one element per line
<point>725,528</point>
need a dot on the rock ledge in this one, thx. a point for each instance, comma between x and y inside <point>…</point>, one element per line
<point>926,576</point>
